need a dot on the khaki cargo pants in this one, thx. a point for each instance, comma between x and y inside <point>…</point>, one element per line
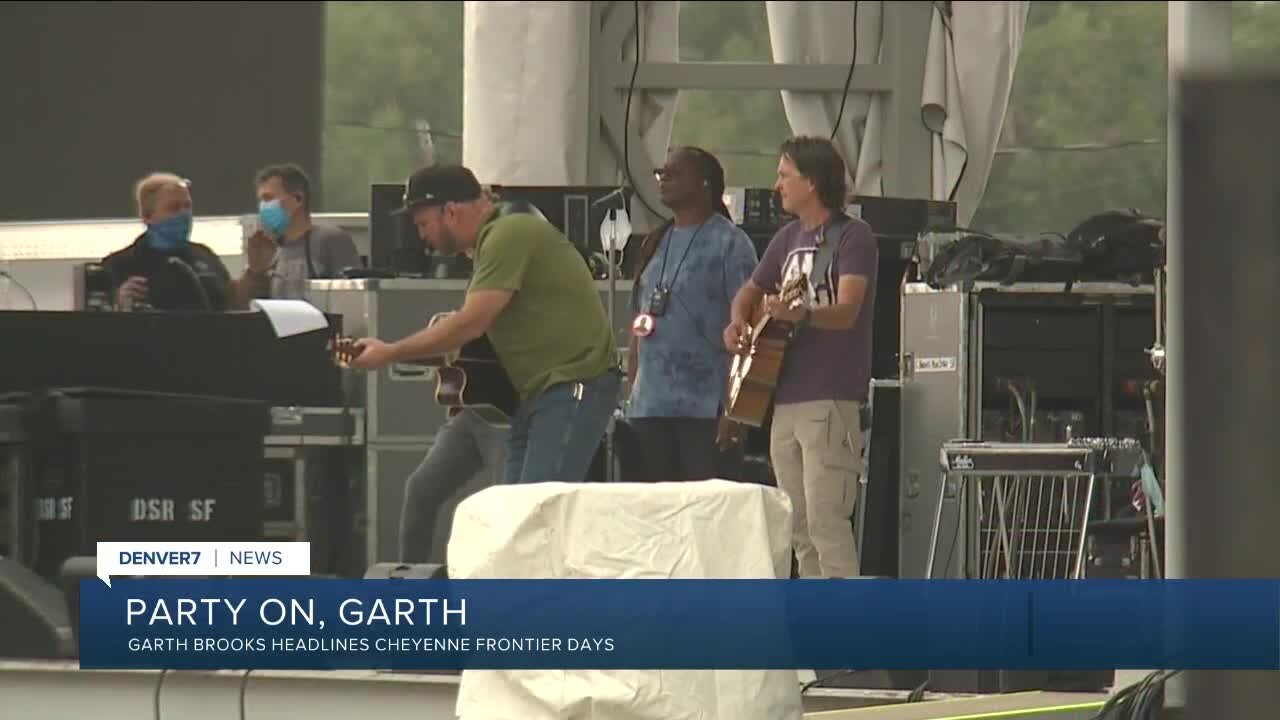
<point>816,449</point>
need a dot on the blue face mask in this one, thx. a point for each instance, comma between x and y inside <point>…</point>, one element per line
<point>172,234</point>
<point>275,219</point>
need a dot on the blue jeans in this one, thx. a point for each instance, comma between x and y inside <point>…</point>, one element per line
<point>554,436</point>
<point>462,447</point>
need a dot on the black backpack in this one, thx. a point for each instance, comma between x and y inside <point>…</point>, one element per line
<point>1119,246</point>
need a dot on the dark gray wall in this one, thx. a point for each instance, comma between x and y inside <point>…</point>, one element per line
<point>1230,214</point>
<point>97,94</point>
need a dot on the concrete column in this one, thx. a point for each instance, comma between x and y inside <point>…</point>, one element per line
<point>908,145</point>
<point>1230,388</point>
<point>1199,37</point>
<point>1222,191</point>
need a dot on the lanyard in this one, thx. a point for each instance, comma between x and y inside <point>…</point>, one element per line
<point>662,272</point>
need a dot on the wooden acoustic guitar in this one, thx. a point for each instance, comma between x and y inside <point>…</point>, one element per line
<point>753,378</point>
<point>470,378</point>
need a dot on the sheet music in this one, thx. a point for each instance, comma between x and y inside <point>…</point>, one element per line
<point>291,317</point>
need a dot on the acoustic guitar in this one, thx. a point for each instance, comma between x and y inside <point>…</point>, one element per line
<point>753,378</point>
<point>470,378</point>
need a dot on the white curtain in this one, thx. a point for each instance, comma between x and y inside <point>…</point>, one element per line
<point>808,33</point>
<point>652,112</point>
<point>968,79</point>
<point>965,90</point>
<point>526,84</point>
<point>524,91</point>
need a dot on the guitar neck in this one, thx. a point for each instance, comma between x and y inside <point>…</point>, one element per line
<point>476,351</point>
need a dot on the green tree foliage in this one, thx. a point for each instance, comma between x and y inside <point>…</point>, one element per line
<point>1255,33</point>
<point>387,66</point>
<point>743,129</point>
<point>1096,73</point>
<point>1091,73</point>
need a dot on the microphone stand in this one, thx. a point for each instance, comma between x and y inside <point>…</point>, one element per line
<point>613,328</point>
<point>615,200</point>
<point>195,279</point>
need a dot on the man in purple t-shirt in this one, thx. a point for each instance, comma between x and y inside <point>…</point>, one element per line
<point>816,437</point>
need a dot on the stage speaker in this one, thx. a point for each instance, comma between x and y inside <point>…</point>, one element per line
<point>571,208</point>
<point>111,465</point>
<point>878,536</point>
<point>407,571</point>
<point>34,616</point>
<point>394,244</point>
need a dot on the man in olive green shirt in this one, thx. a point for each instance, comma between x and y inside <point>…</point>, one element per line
<point>534,297</point>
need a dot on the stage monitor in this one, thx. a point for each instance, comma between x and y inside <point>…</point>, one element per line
<point>394,244</point>
<point>572,208</point>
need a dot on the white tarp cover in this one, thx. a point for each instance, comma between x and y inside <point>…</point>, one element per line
<point>713,529</point>
<point>968,77</point>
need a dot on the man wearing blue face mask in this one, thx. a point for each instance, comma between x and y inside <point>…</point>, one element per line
<point>295,248</point>
<point>163,269</point>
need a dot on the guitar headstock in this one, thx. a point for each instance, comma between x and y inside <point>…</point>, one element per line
<point>343,349</point>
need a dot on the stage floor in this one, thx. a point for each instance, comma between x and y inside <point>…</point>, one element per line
<point>54,690</point>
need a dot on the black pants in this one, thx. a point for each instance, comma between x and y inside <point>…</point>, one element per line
<point>678,450</point>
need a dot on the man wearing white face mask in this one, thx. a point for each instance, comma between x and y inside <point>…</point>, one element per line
<point>289,246</point>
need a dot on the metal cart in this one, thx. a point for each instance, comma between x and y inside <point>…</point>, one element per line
<point>1030,503</point>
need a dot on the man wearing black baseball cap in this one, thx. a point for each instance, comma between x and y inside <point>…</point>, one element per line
<point>534,297</point>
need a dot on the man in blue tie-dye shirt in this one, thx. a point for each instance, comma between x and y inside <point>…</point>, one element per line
<point>691,268</point>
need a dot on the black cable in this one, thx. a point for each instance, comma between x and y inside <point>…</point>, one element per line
<point>917,695</point>
<point>767,153</point>
<point>159,684</point>
<point>1140,701</point>
<point>354,124</point>
<point>955,537</point>
<point>819,681</point>
<point>848,80</point>
<point>244,686</point>
<point>626,120</point>
<point>959,229</point>
<point>23,288</point>
<point>666,253</point>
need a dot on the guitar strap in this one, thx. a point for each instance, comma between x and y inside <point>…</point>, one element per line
<point>827,250</point>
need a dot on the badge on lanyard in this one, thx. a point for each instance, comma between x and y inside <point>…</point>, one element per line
<point>642,326</point>
<point>658,303</point>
